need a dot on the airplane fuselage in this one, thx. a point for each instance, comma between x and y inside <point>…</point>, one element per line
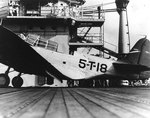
<point>77,66</point>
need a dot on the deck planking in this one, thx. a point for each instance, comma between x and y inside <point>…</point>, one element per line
<point>75,103</point>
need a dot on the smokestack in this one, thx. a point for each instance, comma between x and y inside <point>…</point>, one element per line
<point>123,44</point>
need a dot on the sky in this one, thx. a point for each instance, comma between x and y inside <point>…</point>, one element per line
<point>138,17</point>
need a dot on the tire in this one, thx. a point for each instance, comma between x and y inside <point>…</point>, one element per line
<point>4,80</point>
<point>17,82</point>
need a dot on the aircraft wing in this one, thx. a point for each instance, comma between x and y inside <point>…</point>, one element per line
<point>16,53</point>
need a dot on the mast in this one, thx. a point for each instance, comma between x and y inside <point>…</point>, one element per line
<point>123,41</point>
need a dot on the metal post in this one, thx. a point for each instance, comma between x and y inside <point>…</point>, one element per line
<point>123,41</point>
<point>99,12</point>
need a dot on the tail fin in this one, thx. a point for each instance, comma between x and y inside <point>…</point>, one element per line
<point>140,53</point>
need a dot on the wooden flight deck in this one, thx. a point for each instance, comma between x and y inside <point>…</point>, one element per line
<point>75,103</point>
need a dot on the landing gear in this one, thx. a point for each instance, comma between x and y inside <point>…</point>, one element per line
<point>17,81</point>
<point>4,80</point>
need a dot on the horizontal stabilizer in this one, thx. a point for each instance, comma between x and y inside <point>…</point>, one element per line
<point>130,67</point>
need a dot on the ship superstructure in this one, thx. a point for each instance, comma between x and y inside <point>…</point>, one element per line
<point>58,25</point>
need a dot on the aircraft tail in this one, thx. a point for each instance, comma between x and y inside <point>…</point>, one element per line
<point>140,53</point>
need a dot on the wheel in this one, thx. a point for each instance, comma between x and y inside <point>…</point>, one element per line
<point>17,82</point>
<point>4,80</point>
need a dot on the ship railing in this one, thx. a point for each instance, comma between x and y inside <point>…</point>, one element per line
<point>110,46</point>
<point>92,13</point>
<point>64,11</point>
<point>92,37</point>
<point>74,12</point>
<point>98,38</point>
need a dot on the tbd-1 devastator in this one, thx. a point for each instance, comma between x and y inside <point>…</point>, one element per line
<point>17,54</point>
